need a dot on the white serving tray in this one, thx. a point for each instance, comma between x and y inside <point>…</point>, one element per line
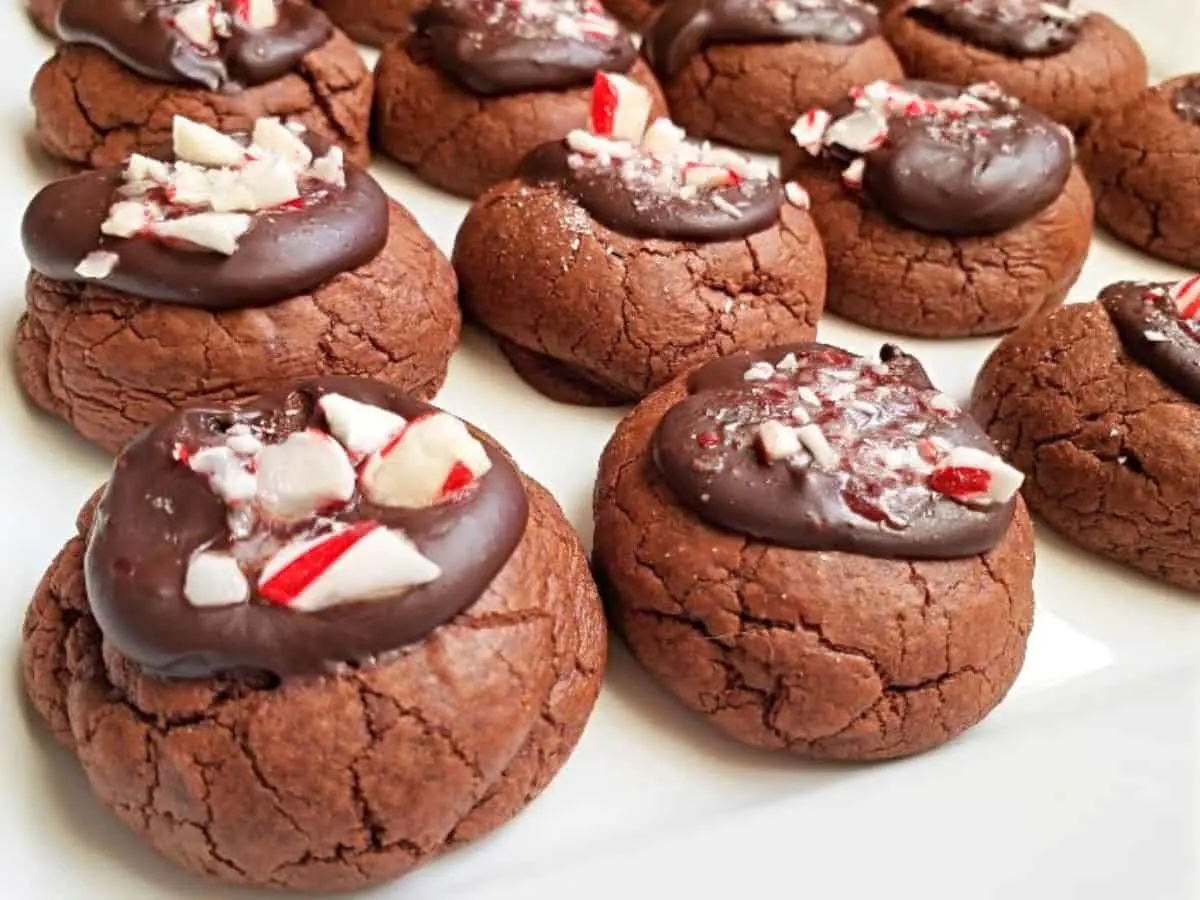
<point>1085,783</point>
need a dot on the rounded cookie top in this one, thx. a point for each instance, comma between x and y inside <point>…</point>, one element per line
<point>1018,28</point>
<point>650,181</point>
<point>1159,325</point>
<point>944,160</point>
<point>332,523</point>
<point>217,44</point>
<point>685,27</point>
<point>813,447</point>
<point>495,47</point>
<point>1186,100</point>
<point>232,221</point>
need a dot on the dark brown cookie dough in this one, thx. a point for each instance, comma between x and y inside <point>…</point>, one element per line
<point>1143,163</point>
<point>375,22</point>
<point>92,111</point>
<point>1102,70</point>
<point>1108,448</point>
<point>823,654</point>
<point>110,364</point>
<point>462,142</point>
<point>43,13</point>
<point>229,778</point>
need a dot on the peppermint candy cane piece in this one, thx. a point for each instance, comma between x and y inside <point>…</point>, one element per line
<point>359,427</point>
<point>204,146</point>
<point>1186,297</point>
<point>620,108</point>
<point>214,579</point>
<point>307,472</point>
<point>975,477</point>
<point>431,460</point>
<point>809,130</point>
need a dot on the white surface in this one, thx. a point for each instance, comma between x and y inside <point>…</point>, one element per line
<point>1085,783</point>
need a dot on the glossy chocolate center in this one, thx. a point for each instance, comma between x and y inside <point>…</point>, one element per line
<point>1157,333</point>
<point>1186,100</point>
<point>871,490</point>
<point>641,197</point>
<point>286,252</point>
<point>1018,28</point>
<point>495,47</point>
<point>145,36</point>
<point>685,27</point>
<point>157,512</point>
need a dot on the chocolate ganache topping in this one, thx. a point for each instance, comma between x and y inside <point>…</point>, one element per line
<point>243,538</point>
<point>495,47</point>
<point>685,27</point>
<point>812,447</point>
<point>1019,28</point>
<point>1186,100</point>
<point>944,160</point>
<point>1159,325</point>
<point>218,44</point>
<point>234,221</point>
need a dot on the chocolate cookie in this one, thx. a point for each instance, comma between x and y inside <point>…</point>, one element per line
<point>740,71</point>
<point>1143,162</point>
<point>617,259</point>
<point>1071,65</point>
<point>128,67</point>
<point>248,262</point>
<point>944,212</point>
<point>309,681</point>
<point>1097,404</point>
<point>817,552</point>
<point>43,13</point>
<point>479,85</point>
<point>375,22</point>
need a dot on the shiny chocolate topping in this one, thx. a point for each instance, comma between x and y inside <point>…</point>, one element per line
<point>685,27</point>
<point>287,250</point>
<point>812,447</point>
<point>1186,100</point>
<point>160,513</point>
<point>495,47</point>
<point>217,44</point>
<point>949,161</point>
<point>1018,28</point>
<point>645,195</point>
<point>1159,325</point>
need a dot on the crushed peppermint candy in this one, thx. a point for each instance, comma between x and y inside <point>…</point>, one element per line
<point>205,24</point>
<point>284,488</point>
<point>580,20</point>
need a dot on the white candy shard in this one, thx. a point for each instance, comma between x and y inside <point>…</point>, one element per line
<point>777,440</point>
<point>620,107</point>
<point>360,427</point>
<point>197,143</point>
<point>217,231</point>
<point>330,168</point>
<point>853,174</point>
<point>663,137</point>
<point>145,168</point>
<point>241,440</point>
<point>97,264</point>
<point>302,475</point>
<point>817,444</point>
<point>797,196</point>
<point>127,217</point>
<point>759,371</point>
<point>706,177</point>
<point>227,474</point>
<point>1002,484</point>
<point>860,132</point>
<point>274,137</point>
<point>214,579</point>
<point>195,22</point>
<point>259,13</point>
<point>349,564</point>
<point>433,457</point>
<point>593,145</point>
<point>809,130</point>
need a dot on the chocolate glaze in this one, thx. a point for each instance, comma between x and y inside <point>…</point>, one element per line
<point>138,33</point>
<point>632,207</point>
<point>1152,332</point>
<point>1186,100</point>
<point>156,512</point>
<point>491,49</point>
<point>284,254</point>
<point>982,173</point>
<point>685,27</point>
<point>1018,28</point>
<point>808,508</point>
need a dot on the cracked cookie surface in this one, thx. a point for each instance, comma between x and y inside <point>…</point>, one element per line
<point>623,315</point>
<point>822,654</point>
<point>1143,162</point>
<point>901,280</point>
<point>1102,71</point>
<point>1109,450</point>
<point>464,143</point>
<point>91,111</point>
<point>341,781</point>
<point>110,364</point>
<point>375,22</point>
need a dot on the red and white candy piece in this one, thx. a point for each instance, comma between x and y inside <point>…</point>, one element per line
<point>852,175</point>
<point>430,460</point>
<point>195,22</point>
<point>620,107</point>
<point>359,427</point>
<point>706,177</point>
<point>228,474</point>
<point>204,146</point>
<point>97,264</point>
<point>128,217</point>
<point>1186,297</point>
<point>797,195</point>
<point>975,477</point>
<point>809,130</point>
<point>862,131</point>
<point>351,563</point>
<point>777,441</point>
<point>305,473</point>
<point>257,13</point>
<point>214,579</point>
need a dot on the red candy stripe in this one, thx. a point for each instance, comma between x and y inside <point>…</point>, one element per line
<point>960,481</point>
<point>457,478</point>
<point>285,585</point>
<point>604,105</point>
